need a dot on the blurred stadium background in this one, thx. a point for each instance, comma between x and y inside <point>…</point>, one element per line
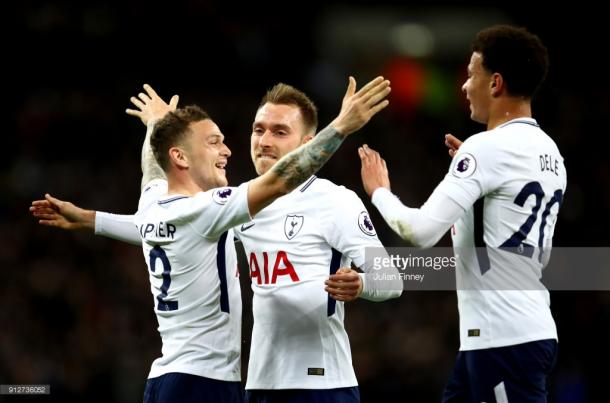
<point>77,309</point>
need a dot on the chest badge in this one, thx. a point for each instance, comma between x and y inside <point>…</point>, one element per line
<point>293,225</point>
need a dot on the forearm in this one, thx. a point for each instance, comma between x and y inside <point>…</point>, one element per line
<point>421,227</point>
<point>381,286</point>
<point>117,226</point>
<point>150,168</point>
<point>293,169</point>
<point>300,164</point>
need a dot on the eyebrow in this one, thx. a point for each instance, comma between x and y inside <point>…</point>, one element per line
<point>275,126</point>
<point>216,135</point>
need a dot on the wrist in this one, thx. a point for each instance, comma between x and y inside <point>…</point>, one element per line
<point>341,129</point>
<point>88,221</point>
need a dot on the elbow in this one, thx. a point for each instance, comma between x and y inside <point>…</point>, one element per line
<point>415,238</point>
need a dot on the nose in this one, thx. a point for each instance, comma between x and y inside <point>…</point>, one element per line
<point>265,139</point>
<point>226,151</point>
<point>464,86</point>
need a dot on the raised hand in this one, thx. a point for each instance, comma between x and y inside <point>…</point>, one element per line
<point>150,105</point>
<point>359,107</point>
<point>62,214</point>
<point>374,170</point>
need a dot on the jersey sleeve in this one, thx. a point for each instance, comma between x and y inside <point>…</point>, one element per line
<point>117,226</point>
<point>421,227</point>
<point>473,171</point>
<point>221,209</point>
<point>349,230</point>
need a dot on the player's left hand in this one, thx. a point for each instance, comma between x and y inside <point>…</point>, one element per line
<point>345,285</point>
<point>151,107</point>
<point>374,170</point>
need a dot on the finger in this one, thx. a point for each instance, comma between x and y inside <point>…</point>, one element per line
<point>42,210</point>
<point>137,102</point>
<point>55,203</point>
<point>351,87</point>
<point>133,112</point>
<point>374,99</point>
<point>46,216</point>
<point>361,154</point>
<point>370,85</point>
<point>173,103</point>
<point>149,90</point>
<point>40,203</point>
<point>451,153</point>
<point>453,141</point>
<point>375,90</point>
<point>380,106</point>
<point>340,292</point>
<point>385,167</point>
<point>144,97</point>
<point>343,283</point>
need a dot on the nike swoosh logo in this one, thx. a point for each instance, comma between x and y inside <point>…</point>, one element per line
<point>247,226</point>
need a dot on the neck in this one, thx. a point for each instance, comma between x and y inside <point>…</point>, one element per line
<point>182,185</point>
<point>505,109</point>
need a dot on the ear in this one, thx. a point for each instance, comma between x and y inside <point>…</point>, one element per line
<point>496,84</point>
<point>178,157</point>
<point>306,138</point>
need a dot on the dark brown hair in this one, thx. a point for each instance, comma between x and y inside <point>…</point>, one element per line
<point>284,94</point>
<point>171,131</point>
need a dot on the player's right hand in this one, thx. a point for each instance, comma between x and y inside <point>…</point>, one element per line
<point>374,171</point>
<point>150,106</point>
<point>53,212</point>
<point>453,144</point>
<point>359,107</point>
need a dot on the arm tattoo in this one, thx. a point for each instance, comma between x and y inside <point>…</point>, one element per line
<point>303,162</point>
<point>150,168</point>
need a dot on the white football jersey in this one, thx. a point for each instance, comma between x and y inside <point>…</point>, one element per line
<point>511,181</point>
<point>188,247</point>
<point>298,337</point>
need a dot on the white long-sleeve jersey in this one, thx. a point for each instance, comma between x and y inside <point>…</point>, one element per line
<point>188,247</point>
<point>503,192</point>
<point>292,246</point>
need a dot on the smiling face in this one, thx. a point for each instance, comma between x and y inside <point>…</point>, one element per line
<point>478,89</point>
<point>207,154</point>
<point>277,130</point>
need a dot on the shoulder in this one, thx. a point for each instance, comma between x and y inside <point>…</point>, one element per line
<point>323,188</point>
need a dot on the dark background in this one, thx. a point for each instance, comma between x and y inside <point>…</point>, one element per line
<point>77,310</point>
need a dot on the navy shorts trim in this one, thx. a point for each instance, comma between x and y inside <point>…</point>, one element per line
<point>338,395</point>
<point>176,387</point>
<point>515,374</point>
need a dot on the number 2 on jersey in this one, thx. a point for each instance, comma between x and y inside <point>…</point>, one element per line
<point>516,240</point>
<point>158,253</point>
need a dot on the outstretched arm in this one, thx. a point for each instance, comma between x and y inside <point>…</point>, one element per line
<point>151,108</point>
<point>53,212</point>
<point>294,168</point>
